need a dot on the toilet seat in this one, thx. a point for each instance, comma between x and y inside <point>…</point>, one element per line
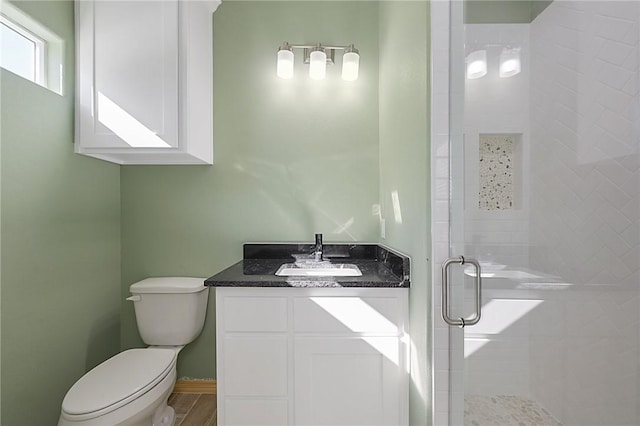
<point>118,381</point>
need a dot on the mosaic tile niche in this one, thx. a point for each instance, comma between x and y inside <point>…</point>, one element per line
<point>497,162</point>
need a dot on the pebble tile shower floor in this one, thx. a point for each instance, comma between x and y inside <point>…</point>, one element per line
<point>505,410</point>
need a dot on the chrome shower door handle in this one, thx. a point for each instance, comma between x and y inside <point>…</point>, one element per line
<point>461,322</point>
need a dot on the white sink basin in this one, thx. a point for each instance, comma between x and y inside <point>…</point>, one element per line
<point>320,269</point>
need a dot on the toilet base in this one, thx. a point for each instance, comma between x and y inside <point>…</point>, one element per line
<point>150,409</point>
<point>164,416</point>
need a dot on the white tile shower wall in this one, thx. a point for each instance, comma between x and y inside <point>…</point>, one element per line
<point>440,203</point>
<point>495,105</point>
<point>591,180</point>
<point>497,349</point>
<point>585,227</point>
<point>583,359</point>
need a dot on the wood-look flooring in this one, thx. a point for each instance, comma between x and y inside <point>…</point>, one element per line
<point>194,409</point>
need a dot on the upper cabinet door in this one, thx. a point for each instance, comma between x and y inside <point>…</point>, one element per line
<point>134,86</point>
<point>144,83</point>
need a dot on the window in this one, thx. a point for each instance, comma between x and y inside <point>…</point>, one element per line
<point>22,52</point>
<point>30,50</point>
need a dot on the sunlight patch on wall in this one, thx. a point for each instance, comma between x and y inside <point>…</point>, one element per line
<point>497,316</point>
<point>397,210</point>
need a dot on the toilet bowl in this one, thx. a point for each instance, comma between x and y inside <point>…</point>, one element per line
<point>132,388</point>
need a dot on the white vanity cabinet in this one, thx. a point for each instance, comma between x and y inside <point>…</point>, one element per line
<point>144,81</point>
<point>312,356</point>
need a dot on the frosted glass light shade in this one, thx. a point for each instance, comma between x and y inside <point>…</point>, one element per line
<point>317,64</point>
<point>350,65</point>
<point>510,64</point>
<point>477,64</point>
<point>285,64</point>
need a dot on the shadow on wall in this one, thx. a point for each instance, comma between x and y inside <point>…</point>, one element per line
<point>104,335</point>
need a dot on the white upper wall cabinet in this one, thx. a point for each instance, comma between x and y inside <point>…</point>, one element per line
<point>145,81</point>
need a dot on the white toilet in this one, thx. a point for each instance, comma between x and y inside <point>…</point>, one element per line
<point>132,387</point>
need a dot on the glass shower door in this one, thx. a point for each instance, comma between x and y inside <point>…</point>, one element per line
<point>545,195</point>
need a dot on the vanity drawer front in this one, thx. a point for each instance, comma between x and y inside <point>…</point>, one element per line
<point>254,314</point>
<point>347,314</point>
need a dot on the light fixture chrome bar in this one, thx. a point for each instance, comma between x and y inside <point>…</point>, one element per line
<point>331,55</point>
<point>312,54</point>
<point>311,46</point>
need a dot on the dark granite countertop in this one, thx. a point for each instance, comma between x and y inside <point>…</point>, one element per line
<point>380,267</point>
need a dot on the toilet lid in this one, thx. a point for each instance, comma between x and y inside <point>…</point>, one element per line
<point>119,380</point>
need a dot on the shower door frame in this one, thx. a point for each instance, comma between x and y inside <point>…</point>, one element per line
<point>447,399</point>
<point>447,205</point>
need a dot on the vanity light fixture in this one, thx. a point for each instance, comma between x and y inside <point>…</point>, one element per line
<point>317,63</point>
<point>350,63</point>
<point>509,62</point>
<point>318,56</point>
<point>476,64</point>
<point>285,62</point>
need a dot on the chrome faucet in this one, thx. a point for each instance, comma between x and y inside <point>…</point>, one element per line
<point>317,253</point>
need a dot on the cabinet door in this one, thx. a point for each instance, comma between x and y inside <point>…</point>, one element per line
<point>349,381</point>
<point>254,412</point>
<point>255,366</point>
<point>128,74</point>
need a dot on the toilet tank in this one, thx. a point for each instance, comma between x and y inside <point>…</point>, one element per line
<point>170,311</point>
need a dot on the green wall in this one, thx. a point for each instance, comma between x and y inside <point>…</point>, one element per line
<point>503,11</point>
<point>60,224</point>
<point>404,170</point>
<point>292,157</point>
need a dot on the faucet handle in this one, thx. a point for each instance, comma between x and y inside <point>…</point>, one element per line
<point>317,252</point>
